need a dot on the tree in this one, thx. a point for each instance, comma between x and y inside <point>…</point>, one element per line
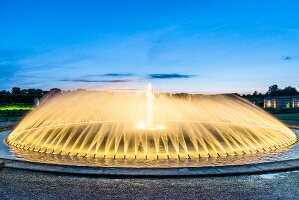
<point>39,92</point>
<point>273,91</point>
<point>55,90</point>
<point>4,92</point>
<point>31,91</point>
<point>24,91</point>
<point>255,94</point>
<point>45,92</point>
<point>16,90</point>
<point>289,91</point>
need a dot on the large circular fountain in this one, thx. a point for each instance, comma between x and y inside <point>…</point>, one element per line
<point>148,126</point>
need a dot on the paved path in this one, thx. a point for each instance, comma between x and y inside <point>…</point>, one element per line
<point>22,184</point>
<point>7,125</point>
<point>291,122</point>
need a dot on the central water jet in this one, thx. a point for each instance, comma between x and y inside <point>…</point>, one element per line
<point>149,123</point>
<point>150,97</point>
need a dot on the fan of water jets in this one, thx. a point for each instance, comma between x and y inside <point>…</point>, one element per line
<point>149,126</point>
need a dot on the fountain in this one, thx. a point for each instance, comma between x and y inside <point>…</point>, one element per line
<point>141,127</point>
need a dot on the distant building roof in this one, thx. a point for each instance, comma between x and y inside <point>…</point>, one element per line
<point>281,97</point>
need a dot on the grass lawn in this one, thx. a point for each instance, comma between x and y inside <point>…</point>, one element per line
<point>15,107</point>
<point>11,119</point>
<point>288,116</point>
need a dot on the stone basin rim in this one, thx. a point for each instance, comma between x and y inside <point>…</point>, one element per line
<point>207,171</point>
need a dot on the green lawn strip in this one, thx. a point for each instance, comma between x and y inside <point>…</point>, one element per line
<point>11,119</point>
<point>289,116</point>
<point>13,107</point>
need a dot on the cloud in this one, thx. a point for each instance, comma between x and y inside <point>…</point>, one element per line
<point>168,76</point>
<point>118,74</point>
<point>91,78</point>
<point>111,75</point>
<point>287,58</point>
<point>97,81</point>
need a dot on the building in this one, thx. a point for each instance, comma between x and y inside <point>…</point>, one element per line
<point>283,103</point>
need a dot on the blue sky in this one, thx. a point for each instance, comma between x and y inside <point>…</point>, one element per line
<point>184,46</point>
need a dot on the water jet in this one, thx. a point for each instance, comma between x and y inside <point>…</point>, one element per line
<point>148,129</point>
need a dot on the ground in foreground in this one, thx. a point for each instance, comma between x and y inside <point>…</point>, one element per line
<point>16,184</point>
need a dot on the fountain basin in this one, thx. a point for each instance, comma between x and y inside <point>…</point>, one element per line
<point>266,162</point>
<point>100,133</point>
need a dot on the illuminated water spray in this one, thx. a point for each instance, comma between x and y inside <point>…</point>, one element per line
<point>149,122</point>
<point>150,97</point>
<point>149,126</point>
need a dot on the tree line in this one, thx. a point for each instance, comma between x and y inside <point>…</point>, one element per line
<point>31,91</point>
<point>23,96</point>
<point>274,91</point>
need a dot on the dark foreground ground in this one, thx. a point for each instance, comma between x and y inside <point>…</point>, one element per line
<point>19,184</point>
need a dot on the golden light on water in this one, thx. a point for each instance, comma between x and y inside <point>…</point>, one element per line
<point>142,126</point>
<point>149,126</point>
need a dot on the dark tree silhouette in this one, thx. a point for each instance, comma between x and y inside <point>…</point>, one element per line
<point>289,91</point>
<point>16,90</point>
<point>274,90</point>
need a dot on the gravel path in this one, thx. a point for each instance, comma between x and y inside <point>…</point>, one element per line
<point>20,184</point>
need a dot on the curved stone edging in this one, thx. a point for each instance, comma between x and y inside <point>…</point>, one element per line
<point>293,127</point>
<point>257,168</point>
<point>2,164</point>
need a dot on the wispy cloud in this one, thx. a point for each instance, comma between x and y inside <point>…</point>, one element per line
<point>111,75</point>
<point>287,58</point>
<point>168,76</point>
<point>97,81</point>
